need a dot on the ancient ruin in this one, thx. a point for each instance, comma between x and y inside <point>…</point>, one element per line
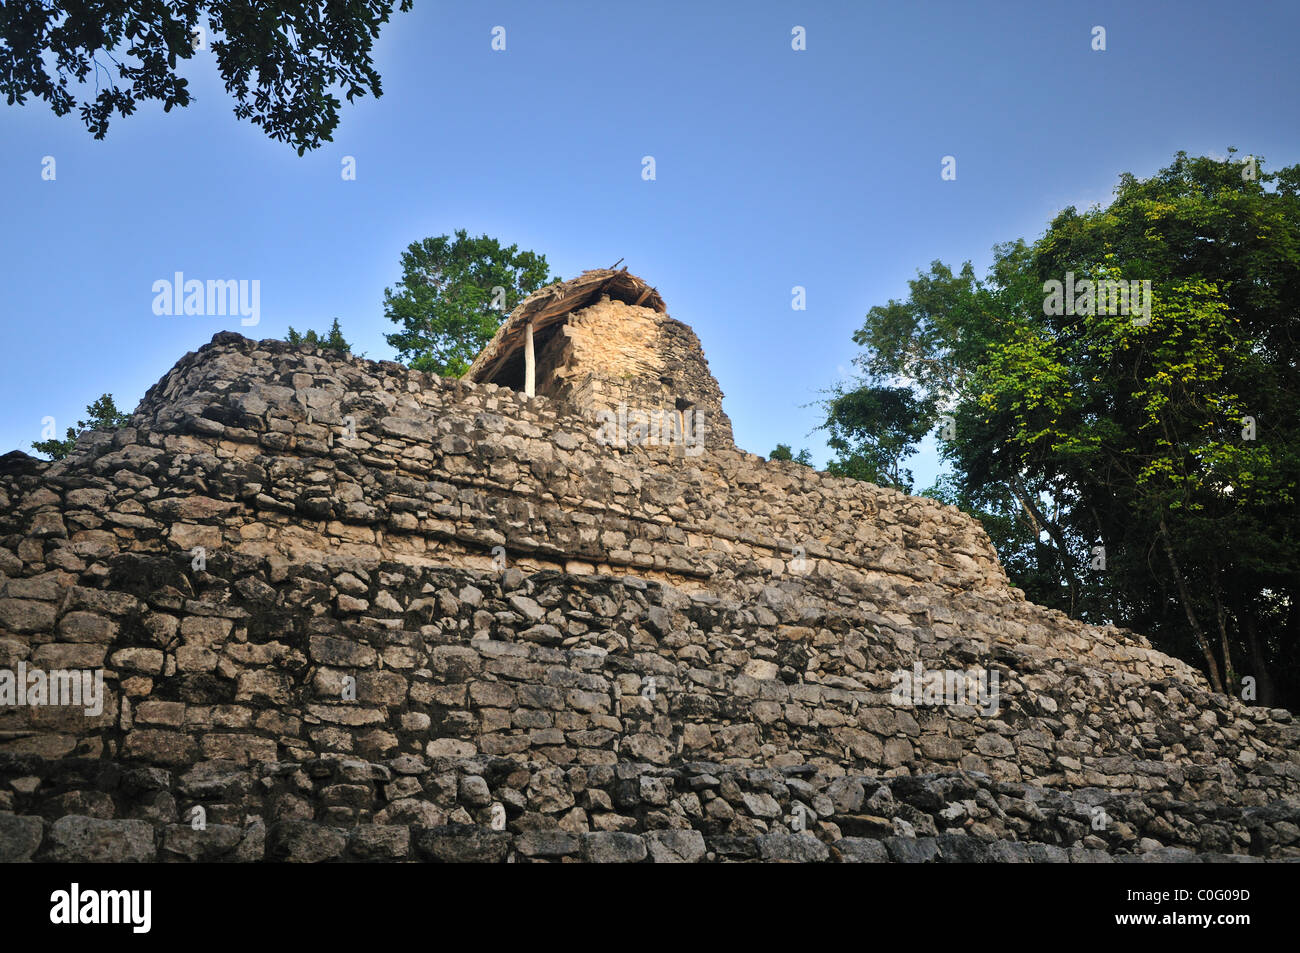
<point>602,341</point>
<point>343,610</point>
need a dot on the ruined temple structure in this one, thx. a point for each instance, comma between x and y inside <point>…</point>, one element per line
<point>601,341</point>
<point>343,610</point>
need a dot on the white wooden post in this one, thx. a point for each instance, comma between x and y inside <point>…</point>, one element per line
<point>530,363</point>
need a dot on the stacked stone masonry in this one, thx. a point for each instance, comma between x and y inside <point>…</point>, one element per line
<point>612,353</point>
<point>609,654</point>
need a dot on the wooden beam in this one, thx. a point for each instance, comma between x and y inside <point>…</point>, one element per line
<point>509,342</point>
<point>499,363</point>
<point>530,363</point>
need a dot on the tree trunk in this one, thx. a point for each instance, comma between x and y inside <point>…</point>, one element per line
<point>1229,674</point>
<point>1024,499</point>
<point>1211,665</point>
<point>1112,590</point>
<point>1267,691</point>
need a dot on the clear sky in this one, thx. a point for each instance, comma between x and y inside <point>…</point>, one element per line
<point>775,168</point>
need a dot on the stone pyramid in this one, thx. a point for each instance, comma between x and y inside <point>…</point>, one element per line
<point>342,610</point>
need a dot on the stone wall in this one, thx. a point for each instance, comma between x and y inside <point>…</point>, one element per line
<point>626,653</point>
<point>613,353</point>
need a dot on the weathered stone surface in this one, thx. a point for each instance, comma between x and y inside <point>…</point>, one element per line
<point>860,850</point>
<point>613,847</point>
<point>675,846</point>
<point>463,610</point>
<point>98,841</point>
<point>377,842</point>
<point>19,838</point>
<point>461,843</point>
<point>547,843</point>
<point>304,842</point>
<point>912,850</point>
<point>216,842</point>
<point>793,848</point>
<point>26,615</point>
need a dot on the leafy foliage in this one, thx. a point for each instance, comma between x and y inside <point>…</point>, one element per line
<point>872,429</point>
<point>330,341</point>
<point>103,415</point>
<point>783,452</point>
<point>445,301</point>
<point>283,62</point>
<point>1166,450</point>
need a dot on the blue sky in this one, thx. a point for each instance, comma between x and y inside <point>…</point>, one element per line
<point>775,168</point>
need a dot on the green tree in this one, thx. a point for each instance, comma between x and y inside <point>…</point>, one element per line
<point>331,341</point>
<point>1165,446</point>
<point>103,415</point>
<point>872,429</point>
<point>282,62</point>
<point>453,296</point>
<point>783,452</point>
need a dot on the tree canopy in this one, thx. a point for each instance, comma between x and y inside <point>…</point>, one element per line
<point>872,429</point>
<point>1134,457</point>
<point>332,340</point>
<point>454,294</point>
<point>783,452</point>
<point>103,415</point>
<point>283,62</point>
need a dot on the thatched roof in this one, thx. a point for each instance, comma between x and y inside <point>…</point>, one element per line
<point>551,304</point>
